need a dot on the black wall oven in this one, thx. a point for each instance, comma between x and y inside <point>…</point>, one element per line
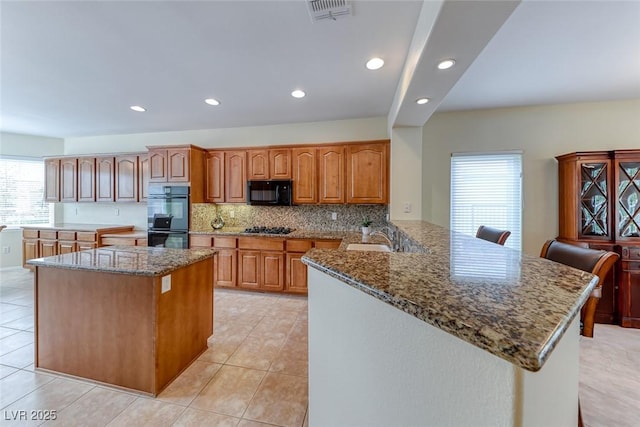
<point>168,216</point>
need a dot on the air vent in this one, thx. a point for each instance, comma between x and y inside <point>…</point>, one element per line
<point>329,10</point>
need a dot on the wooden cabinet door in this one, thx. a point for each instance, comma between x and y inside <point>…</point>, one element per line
<point>249,269</point>
<point>48,248</point>
<point>143,177</point>
<point>83,246</point>
<point>105,179</point>
<point>68,180</point>
<point>367,173</point>
<point>225,269</point>
<point>305,176</point>
<point>52,180</point>
<point>607,305</point>
<point>66,247</point>
<point>235,187</point>
<point>331,174</point>
<point>272,271</point>
<point>158,165</point>
<point>178,164</point>
<point>126,178</point>
<point>257,164</point>
<point>87,179</point>
<point>280,164</point>
<point>215,177</point>
<point>29,251</point>
<point>630,295</point>
<point>296,274</point>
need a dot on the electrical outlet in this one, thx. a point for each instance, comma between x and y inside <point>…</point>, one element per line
<point>334,216</point>
<point>76,211</point>
<point>407,207</point>
<point>117,211</point>
<point>6,249</point>
<point>232,214</point>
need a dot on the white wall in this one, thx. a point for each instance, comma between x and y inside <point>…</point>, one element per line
<point>406,173</point>
<point>12,144</point>
<point>542,132</point>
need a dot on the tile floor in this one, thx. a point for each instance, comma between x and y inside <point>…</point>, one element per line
<point>254,372</point>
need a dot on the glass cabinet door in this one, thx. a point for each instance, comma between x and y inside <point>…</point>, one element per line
<point>627,199</point>
<point>594,196</point>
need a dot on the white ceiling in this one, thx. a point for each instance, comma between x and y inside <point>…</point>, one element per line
<point>74,68</point>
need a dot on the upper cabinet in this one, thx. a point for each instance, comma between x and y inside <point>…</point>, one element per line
<point>627,195</point>
<point>269,164</point>
<point>331,174</point>
<point>52,180</point>
<point>183,164</point>
<point>105,171</point>
<point>305,175</point>
<point>126,182</point>
<point>86,179</point>
<point>143,177</point>
<point>69,179</point>
<point>214,189</point>
<point>368,173</point>
<point>235,187</point>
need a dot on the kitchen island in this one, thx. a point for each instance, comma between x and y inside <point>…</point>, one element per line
<point>457,332</point>
<point>131,317</point>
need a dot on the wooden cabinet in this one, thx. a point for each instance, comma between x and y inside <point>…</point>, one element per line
<point>599,206</point>
<point>305,175</point>
<point>52,180</point>
<point>272,271</point>
<point>182,164</point>
<point>215,177</point>
<point>68,179</point>
<point>86,179</point>
<point>331,172</point>
<point>235,186</point>
<point>225,265</point>
<point>296,271</point>
<point>105,176</point>
<point>367,173</point>
<point>261,263</point>
<point>144,174</point>
<point>48,243</point>
<point>249,269</point>
<point>258,164</point>
<point>30,249</point>
<point>126,182</point>
<point>280,163</point>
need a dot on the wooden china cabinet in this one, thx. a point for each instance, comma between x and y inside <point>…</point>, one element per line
<point>599,207</point>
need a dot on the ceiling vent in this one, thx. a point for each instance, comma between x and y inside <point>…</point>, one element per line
<point>329,10</point>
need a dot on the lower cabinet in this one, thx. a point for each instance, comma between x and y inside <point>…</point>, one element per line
<point>261,263</point>
<point>629,297</point>
<point>272,271</point>
<point>225,268</point>
<point>249,269</point>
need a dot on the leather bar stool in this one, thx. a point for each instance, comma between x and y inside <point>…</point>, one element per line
<point>492,235</point>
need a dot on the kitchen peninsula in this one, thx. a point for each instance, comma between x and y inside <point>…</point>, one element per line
<point>462,332</point>
<point>132,317</point>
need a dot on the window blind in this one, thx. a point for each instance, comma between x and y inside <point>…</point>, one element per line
<point>22,192</point>
<point>486,189</point>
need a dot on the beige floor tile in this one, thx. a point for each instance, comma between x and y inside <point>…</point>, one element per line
<point>256,352</point>
<point>6,370</point>
<point>22,323</point>
<point>15,341</point>
<point>280,400</point>
<point>251,423</point>
<point>197,418</point>
<point>273,327</point>
<point>5,332</point>
<point>20,358</point>
<point>219,351</point>
<point>97,407</point>
<point>20,384</point>
<point>148,412</point>
<point>230,391</point>
<point>54,396</point>
<point>191,382</point>
<point>293,359</point>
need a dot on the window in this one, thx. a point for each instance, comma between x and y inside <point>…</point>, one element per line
<point>22,192</point>
<point>486,189</point>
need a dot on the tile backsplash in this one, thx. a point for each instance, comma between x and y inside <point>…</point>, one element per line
<point>309,217</point>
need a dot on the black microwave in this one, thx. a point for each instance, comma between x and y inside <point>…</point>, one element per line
<point>271,193</point>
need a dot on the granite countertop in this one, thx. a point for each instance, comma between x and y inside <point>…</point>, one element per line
<point>295,234</point>
<point>510,304</point>
<point>132,260</point>
<point>79,227</point>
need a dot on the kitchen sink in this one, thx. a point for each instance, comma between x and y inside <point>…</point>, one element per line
<point>368,247</point>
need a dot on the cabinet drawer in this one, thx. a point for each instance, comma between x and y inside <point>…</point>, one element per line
<point>66,235</point>
<point>299,245</point>
<point>202,241</point>
<point>30,234</point>
<point>47,234</point>
<point>327,244</point>
<point>86,236</point>
<point>631,265</point>
<point>107,241</point>
<point>631,253</point>
<point>224,242</point>
<point>262,244</point>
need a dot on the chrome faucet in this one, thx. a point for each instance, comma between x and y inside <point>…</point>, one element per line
<point>388,237</point>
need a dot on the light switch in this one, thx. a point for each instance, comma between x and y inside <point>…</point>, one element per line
<point>166,283</point>
<point>407,207</point>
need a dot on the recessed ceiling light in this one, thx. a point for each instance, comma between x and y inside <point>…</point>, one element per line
<point>298,93</point>
<point>138,108</point>
<point>375,63</point>
<point>422,101</point>
<point>446,64</point>
<point>212,101</point>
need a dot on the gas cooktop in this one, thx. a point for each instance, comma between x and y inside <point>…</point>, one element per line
<point>269,230</point>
